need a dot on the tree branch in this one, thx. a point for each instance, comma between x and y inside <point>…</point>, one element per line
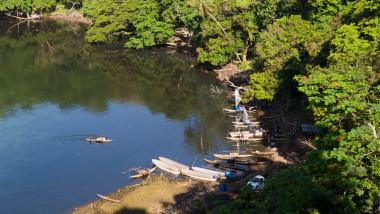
<point>372,126</point>
<point>233,85</point>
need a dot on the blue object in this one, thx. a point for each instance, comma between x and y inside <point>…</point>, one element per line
<point>249,124</point>
<point>223,188</point>
<point>238,108</point>
<point>230,175</point>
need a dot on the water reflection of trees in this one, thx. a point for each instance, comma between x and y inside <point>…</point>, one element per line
<point>51,62</point>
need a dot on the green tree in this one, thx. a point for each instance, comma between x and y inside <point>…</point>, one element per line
<point>113,18</point>
<point>288,44</point>
<point>43,4</point>
<point>346,102</point>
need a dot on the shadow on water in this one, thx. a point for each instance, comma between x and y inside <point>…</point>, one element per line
<point>50,64</point>
<point>56,90</point>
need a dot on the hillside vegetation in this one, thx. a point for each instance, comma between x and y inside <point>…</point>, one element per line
<point>326,51</point>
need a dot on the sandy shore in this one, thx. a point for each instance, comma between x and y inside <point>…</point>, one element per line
<point>162,194</point>
<point>159,194</point>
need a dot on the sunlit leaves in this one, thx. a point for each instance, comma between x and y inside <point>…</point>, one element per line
<point>112,18</point>
<point>284,41</point>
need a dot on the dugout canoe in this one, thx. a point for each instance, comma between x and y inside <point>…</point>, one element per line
<point>198,175</point>
<point>234,139</point>
<point>231,156</point>
<point>166,167</point>
<point>99,140</point>
<point>209,171</point>
<point>246,134</point>
<point>173,163</point>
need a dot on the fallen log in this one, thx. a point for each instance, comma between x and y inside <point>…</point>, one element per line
<point>32,17</point>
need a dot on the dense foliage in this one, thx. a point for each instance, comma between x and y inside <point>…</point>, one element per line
<point>18,7</point>
<point>326,51</point>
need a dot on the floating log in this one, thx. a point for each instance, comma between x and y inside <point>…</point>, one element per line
<point>109,199</point>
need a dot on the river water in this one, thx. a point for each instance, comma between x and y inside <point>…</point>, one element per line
<point>56,90</point>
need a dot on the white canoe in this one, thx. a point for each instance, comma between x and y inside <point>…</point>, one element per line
<point>209,171</point>
<point>246,134</point>
<point>231,156</point>
<point>235,111</point>
<point>234,139</point>
<point>245,123</point>
<point>225,157</point>
<point>98,140</point>
<point>198,175</point>
<point>166,167</point>
<point>173,163</point>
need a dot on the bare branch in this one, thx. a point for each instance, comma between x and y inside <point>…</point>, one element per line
<point>372,126</point>
<point>233,85</point>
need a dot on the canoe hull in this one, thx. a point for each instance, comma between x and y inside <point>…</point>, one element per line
<point>95,140</point>
<point>198,175</point>
<point>245,134</point>
<point>166,167</point>
<point>234,139</point>
<point>231,156</point>
<point>173,163</point>
<point>209,171</point>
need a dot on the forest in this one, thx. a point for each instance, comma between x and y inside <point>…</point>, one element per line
<point>324,53</point>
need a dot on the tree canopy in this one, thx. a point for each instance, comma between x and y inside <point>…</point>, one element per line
<point>325,52</point>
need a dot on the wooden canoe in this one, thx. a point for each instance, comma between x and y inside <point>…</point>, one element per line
<point>234,139</point>
<point>250,161</point>
<point>230,166</point>
<point>244,123</point>
<point>226,110</point>
<point>198,175</point>
<point>98,140</point>
<point>166,167</point>
<point>231,156</point>
<point>225,157</point>
<point>173,163</point>
<point>213,161</point>
<point>246,134</point>
<point>209,171</point>
<point>226,166</point>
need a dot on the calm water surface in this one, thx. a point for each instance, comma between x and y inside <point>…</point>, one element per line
<point>56,90</point>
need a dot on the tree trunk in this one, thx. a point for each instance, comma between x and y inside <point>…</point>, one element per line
<point>247,44</point>
<point>217,23</point>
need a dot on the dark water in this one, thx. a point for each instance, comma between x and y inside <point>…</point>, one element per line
<point>56,90</point>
